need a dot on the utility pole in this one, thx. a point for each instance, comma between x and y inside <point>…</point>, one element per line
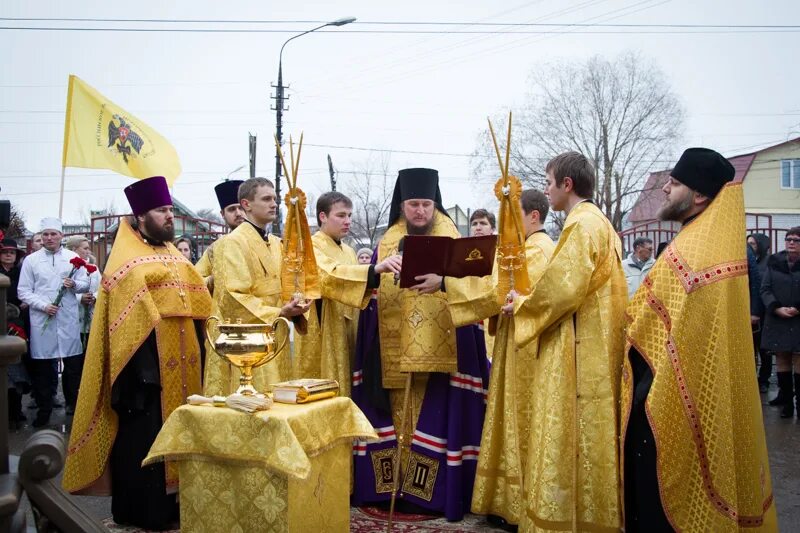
<point>279,100</point>
<point>332,172</point>
<point>252,145</point>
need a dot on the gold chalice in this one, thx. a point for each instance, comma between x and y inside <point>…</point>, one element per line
<point>246,346</point>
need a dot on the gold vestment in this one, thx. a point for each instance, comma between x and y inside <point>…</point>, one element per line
<point>576,311</point>
<point>506,429</point>
<point>327,351</point>
<point>690,322</point>
<point>247,286</point>
<point>416,331</point>
<point>144,288</point>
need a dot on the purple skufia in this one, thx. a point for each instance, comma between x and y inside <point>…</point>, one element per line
<point>148,194</point>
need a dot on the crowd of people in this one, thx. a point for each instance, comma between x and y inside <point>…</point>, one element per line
<point>582,404</point>
<point>50,304</point>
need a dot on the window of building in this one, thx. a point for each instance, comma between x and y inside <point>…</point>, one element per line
<point>790,174</point>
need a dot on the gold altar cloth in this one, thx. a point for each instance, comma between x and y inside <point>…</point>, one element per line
<point>285,469</point>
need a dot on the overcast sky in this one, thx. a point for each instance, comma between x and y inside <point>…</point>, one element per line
<point>359,95</point>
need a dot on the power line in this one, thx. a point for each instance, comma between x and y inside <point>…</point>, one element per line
<point>571,28</point>
<point>407,23</point>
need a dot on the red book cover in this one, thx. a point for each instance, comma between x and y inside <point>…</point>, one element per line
<point>446,256</point>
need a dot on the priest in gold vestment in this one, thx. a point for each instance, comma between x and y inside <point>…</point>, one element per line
<point>327,350</point>
<point>499,489</point>
<point>575,311</point>
<point>143,359</point>
<point>695,455</point>
<point>247,287</point>
<point>409,331</point>
<point>232,213</point>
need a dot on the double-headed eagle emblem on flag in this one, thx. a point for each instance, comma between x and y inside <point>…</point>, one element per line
<point>121,135</point>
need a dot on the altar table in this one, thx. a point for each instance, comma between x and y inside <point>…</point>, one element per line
<point>286,469</point>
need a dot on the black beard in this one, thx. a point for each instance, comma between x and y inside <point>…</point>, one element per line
<point>419,230</point>
<point>676,212</point>
<point>157,233</point>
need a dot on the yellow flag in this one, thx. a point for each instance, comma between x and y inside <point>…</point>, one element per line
<point>100,134</point>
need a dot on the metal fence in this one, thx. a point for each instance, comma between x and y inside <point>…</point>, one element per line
<point>103,229</point>
<point>660,231</point>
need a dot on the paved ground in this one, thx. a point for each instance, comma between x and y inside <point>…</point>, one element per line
<point>783,440</point>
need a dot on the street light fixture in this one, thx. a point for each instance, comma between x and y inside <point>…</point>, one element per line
<point>276,225</point>
<point>228,177</point>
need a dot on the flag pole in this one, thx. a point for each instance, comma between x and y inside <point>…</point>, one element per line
<point>67,118</point>
<point>61,195</point>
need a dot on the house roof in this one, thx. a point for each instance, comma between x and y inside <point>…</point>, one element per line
<point>646,206</point>
<point>649,199</point>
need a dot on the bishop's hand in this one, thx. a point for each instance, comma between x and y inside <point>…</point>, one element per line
<point>428,283</point>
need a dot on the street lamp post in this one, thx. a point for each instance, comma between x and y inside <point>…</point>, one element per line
<point>279,99</point>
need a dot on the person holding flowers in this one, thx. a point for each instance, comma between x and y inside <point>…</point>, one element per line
<point>49,283</point>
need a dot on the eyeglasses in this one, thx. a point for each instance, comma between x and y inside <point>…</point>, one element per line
<point>792,239</point>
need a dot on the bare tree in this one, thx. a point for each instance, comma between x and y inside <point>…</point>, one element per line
<point>621,114</point>
<point>16,227</point>
<point>371,190</point>
<point>208,213</point>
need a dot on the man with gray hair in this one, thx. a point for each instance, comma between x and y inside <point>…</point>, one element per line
<point>638,263</point>
<point>54,325</point>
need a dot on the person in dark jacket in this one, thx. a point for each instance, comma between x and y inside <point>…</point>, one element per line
<point>780,293</point>
<point>18,379</point>
<point>760,244</point>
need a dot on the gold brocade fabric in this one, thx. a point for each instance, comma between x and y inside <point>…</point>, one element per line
<point>576,311</point>
<point>247,286</point>
<point>143,288</point>
<point>416,330</point>
<point>511,240</point>
<point>299,268</point>
<point>327,352</point>
<point>282,438</point>
<point>227,497</point>
<point>499,488</point>
<point>690,322</point>
<point>203,266</point>
<point>284,469</point>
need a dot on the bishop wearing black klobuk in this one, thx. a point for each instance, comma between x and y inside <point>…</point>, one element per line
<point>403,331</point>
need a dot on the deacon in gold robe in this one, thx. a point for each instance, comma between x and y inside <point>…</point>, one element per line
<point>329,347</point>
<point>499,490</point>
<point>695,456</point>
<point>483,222</point>
<point>576,313</point>
<point>143,359</point>
<point>232,213</point>
<point>247,287</point>
<point>408,333</point>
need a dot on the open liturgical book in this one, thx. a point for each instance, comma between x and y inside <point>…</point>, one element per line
<point>446,256</point>
<point>304,390</point>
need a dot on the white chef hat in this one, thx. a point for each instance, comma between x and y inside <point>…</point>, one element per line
<point>51,223</point>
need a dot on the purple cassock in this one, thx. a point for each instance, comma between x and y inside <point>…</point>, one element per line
<point>446,441</point>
